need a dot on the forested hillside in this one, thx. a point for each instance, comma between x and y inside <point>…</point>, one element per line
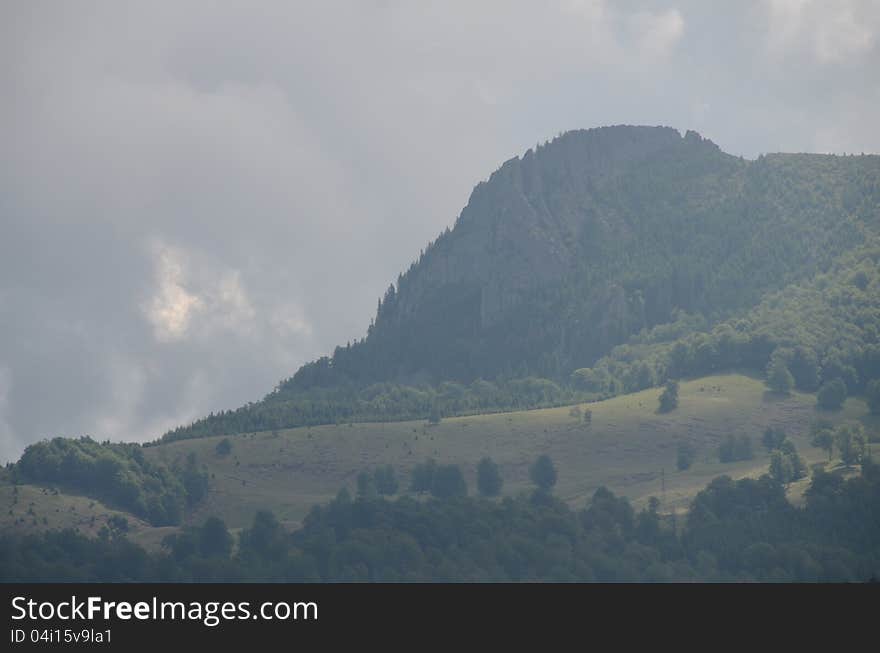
<point>822,329</point>
<point>117,473</point>
<point>735,531</point>
<point>607,261</point>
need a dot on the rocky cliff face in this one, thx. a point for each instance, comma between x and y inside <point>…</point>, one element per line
<point>524,228</point>
<point>572,248</point>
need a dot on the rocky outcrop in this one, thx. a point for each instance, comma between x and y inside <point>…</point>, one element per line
<point>524,228</point>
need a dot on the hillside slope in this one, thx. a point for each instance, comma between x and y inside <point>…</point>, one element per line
<point>569,250</point>
<point>579,246</point>
<point>628,448</point>
<point>625,448</point>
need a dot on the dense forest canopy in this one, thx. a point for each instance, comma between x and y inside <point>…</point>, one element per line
<point>608,261</point>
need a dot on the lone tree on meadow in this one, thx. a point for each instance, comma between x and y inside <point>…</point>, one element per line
<point>734,448</point>
<point>850,441</point>
<point>385,480</point>
<point>773,438</point>
<point>798,466</point>
<point>214,538</point>
<point>489,479</point>
<point>832,395</point>
<point>781,469</point>
<point>822,436</point>
<point>422,477</point>
<point>366,486</point>
<point>669,397</point>
<point>448,482</point>
<point>779,379</point>
<point>434,414</point>
<point>786,466</point>
<point>224,447</point>
<point>543,473</point>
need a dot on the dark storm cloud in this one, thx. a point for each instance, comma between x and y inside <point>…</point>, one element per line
<point>195,198</point>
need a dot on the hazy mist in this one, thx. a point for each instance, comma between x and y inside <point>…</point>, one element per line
<point>196,198</point>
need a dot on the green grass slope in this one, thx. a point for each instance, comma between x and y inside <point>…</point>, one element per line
<point>32,508</point>
<point>628,447</point>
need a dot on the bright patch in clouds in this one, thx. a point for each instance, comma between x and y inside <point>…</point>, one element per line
<point>171,310</point>
<point>192,299</point>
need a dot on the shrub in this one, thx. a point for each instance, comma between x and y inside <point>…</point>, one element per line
<point>669,397</point>
<point>224,447</point>
<point>489,479</point>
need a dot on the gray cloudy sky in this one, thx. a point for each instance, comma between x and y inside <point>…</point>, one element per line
<point>197,197</point>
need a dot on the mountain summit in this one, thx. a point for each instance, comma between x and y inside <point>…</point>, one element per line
<point>582,244</point>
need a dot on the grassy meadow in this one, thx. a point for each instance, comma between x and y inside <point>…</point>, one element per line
<point>627,447</point>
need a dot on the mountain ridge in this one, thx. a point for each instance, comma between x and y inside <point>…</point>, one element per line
<point>495,217</point>
<point>572,249</point>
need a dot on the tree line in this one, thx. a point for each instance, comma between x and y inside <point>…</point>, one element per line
<point>733,531</point>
